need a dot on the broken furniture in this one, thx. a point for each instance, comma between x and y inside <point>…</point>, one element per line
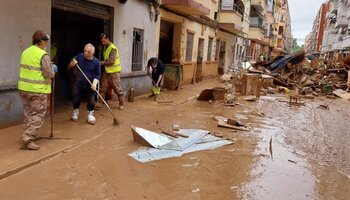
<point>251,84</point>
<point>294,99</point>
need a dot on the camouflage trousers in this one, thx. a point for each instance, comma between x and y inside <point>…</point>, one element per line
<point>34,109</point>
<point>113,81</point>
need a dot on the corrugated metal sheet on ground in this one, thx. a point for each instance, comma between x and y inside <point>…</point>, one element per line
<point>154,139</point>
<point>146,154</point>
<point>181,143</point>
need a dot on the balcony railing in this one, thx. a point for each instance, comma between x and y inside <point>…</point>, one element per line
<point>256,22</point>
<point>231,7</point>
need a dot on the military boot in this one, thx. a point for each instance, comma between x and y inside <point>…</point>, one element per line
<point>121,101</point>
<point>30,145</point>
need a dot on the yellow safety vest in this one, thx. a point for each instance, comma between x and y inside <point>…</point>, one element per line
<point>116,67</point>
<point>31,77</point>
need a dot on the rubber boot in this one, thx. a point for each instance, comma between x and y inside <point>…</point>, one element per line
<point>90,118</point>
<point>121,101</point>
<point>75,115</point>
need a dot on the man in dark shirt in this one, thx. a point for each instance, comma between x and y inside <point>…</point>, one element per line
<point>92,69</point>
<point>156,69</point>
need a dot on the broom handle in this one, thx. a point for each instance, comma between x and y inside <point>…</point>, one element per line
<point>52,104</point>
<point>110,110</point>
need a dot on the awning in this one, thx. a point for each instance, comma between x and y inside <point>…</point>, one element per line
<point>187,7</point>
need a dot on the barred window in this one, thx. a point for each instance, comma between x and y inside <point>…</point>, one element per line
<point>137,50</point>
<point>189,46</point>
<point>210,47</point>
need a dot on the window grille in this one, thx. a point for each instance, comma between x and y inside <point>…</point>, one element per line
<point>189,46</point>
<point>137,50</point>
<point>210,47</point>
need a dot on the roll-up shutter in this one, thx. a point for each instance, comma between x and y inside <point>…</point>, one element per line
<point>165,29</point>
<point>84,7</point>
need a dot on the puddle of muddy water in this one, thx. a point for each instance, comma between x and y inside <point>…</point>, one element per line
<point>283,171</point>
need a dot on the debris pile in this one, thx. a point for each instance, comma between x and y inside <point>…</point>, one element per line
<point>314,76</point>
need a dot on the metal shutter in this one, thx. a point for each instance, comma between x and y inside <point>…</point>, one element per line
<point>84,7</point>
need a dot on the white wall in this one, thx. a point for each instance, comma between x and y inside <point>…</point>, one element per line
<point>18,22</point>
<point>230,42</point>
<point>133,14</point>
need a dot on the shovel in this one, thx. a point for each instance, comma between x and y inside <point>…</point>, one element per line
<point>158,91</point>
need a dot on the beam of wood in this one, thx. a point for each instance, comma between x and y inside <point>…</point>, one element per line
<point>170,133</point>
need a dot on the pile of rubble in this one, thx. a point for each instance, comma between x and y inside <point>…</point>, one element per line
<point>307,75</point>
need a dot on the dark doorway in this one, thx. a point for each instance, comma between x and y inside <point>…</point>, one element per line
<point>222,58</point>
<point>70,32</point>
<point>200,60</point>
<point>166,41</point>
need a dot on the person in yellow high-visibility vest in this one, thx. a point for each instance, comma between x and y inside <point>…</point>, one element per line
<point>34,85</point>
<point>111,75</point>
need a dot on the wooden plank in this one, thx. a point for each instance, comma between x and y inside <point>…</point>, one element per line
<point>221,123</point>
<point>170,133</point>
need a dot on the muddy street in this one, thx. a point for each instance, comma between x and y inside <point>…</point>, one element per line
<point>290,153</point>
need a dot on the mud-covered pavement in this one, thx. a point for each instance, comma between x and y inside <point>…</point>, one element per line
<point>291,153</point>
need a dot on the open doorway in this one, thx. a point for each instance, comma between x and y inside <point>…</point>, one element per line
<point>222,58</point>
<point>166,41</point>
<point>71,29</point>
<point>200,60</point>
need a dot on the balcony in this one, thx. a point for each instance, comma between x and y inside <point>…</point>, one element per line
<point>256,22</point>
<point>256,34</point>
<point>231,7</point>
<point>186,7</point>
<point>231,27</point>
<point>337,46</point>
<point>258,5</point>
<point>341,22</point>
<point>231,17</point>
<point>331,39</point>
<point>338,42</point>
<point>346,42</point>
<point>230,13</point>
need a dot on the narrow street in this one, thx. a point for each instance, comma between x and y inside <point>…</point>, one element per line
<point>292,152</point>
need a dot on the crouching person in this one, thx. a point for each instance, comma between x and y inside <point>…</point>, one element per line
<point>92,70</point>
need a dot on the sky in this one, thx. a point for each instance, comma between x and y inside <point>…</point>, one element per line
<point>303,13</point>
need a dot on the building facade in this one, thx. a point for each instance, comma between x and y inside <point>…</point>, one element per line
<point>205,37</point>
<point>336,38</point>
<point>318,31</point>
<point>71,24</point>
